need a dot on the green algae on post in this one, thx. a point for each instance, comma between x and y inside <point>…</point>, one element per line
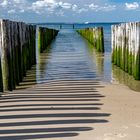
<point>95,36</point>
<point>126,47</point>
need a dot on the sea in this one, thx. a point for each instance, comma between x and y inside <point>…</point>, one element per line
<point>105,69</point>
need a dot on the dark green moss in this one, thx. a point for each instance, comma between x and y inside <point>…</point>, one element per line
<point>118,56</point>
<point>129,60</point>
<point>136,72</point>
<point>123,59</point>
<point>115,56</point>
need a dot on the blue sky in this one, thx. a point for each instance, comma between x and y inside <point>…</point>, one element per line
<point>70,10</point>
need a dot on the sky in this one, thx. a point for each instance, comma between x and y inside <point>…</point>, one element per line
<point>35,11</point>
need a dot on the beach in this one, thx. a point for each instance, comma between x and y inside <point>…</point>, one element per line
<point>123,105</point>
<point>72,93</point>
<point>69,70</point>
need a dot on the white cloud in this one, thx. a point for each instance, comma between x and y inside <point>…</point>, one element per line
<point>132,6</point>
<point>56,7</point>
<point>43,3</point>
<point>22,11</point>
<point>65,5</point>
<point>19,1</point>
<point>93,6</point>
<point>48,5</point>
<point>53,7</point>
<point>74,7</point>
<point>82,10</point>
<point>4,3</point>
<point>18,5</point>
<point>12,11</point>
<point>106,7</point>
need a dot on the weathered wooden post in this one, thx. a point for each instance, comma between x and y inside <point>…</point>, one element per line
<point>6,57</point>
<point>137,52</point>
<point>126,47</point>
<point>95,36</point>
<point>1,78</point>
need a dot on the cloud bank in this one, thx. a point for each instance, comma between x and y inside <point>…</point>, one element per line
<point>65,8</point>
<point>51,6</point>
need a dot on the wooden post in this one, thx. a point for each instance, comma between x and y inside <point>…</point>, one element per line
<point>73,26</point>
<point>1,42</point>
<point>1,78</point>
<point>6,57</point>
<point>60,26</point>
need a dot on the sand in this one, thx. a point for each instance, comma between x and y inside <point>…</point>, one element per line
<point>124,106</point>
<point>71,110</point>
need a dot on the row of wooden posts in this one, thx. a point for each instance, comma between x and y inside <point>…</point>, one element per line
<point>126,47</point>
<point>94,36</point>
<point>18,51</point>
<point>18,48</point>
<point>45,36</point>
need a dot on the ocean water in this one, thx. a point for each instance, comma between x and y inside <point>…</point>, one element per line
<point>106,26</point>
<point>104,68</point>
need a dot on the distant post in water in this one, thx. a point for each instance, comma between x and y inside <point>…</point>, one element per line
<point>73,26</point>
<point>60,26</point>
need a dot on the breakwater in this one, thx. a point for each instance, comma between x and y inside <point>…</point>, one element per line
<point>95,36</point>
<point>126,47</point>
<point>17,52</point>
<point>45,37</point>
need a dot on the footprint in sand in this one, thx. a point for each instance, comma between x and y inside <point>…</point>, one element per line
<point>121,135</point>
<point>124,127</point>
<point>110,136</point>
<point>137,125</point>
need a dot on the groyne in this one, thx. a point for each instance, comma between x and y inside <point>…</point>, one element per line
<point>17,51</point>
<point>95,36</point>
<point>126,47</point>
<point>45,37</point>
